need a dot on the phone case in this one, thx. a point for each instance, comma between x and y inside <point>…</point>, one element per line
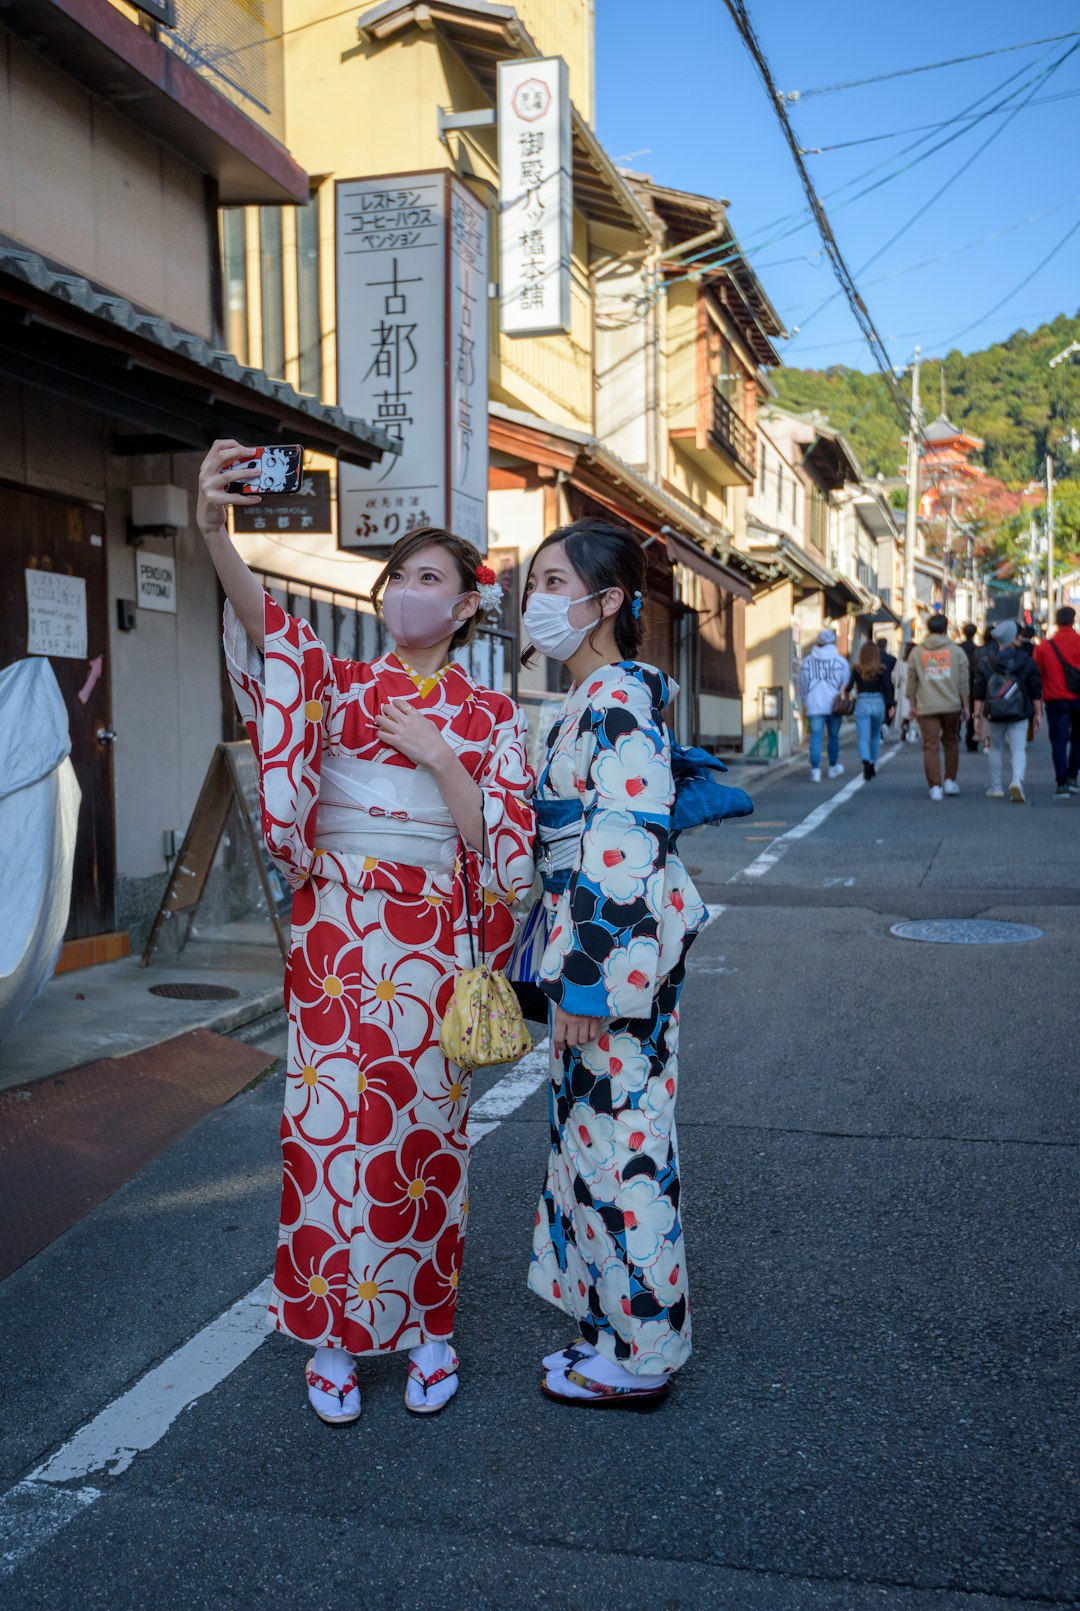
<point>280,469</point>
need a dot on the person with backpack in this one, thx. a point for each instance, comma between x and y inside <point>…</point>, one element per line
<point>823,677</point>
<point>1008,694</point>
<point>938,687</point>
<point>1058,660</point>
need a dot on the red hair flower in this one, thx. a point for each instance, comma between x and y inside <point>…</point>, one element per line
<point>485,575</point>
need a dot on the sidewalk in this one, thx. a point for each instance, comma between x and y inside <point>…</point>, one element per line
<point>109,1011</point>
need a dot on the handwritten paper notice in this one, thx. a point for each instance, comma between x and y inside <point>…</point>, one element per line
<point>56,614</point>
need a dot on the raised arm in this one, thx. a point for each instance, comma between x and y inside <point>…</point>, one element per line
<point>243,592</point>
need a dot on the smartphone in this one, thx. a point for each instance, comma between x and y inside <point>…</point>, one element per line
<point>277,470</point>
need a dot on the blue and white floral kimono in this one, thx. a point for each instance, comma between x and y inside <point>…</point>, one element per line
<point>608,1246</point>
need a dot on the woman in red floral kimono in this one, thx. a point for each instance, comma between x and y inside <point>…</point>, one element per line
<point>383,787</point>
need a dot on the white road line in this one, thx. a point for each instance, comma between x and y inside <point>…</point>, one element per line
<point>783,842</point>
<point>36,1509</point>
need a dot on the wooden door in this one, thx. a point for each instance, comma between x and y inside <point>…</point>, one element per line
<point>44,533</point>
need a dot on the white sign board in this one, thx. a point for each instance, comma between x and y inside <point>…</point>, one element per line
<point>535,196</point>
<point>56,614</point>
<point>412,341</point>
<point>155,582</point>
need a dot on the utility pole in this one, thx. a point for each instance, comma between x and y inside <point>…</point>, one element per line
<point>1049,540</point>
<point>911,513</point>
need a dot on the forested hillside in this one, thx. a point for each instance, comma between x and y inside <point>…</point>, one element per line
<point>1006,394</point>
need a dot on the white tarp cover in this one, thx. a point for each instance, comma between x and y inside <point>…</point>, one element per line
<point>39,813</point>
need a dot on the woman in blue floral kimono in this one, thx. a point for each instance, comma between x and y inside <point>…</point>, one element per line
<point>608,1246</point>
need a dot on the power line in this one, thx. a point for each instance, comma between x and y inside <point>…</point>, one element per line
<point>1054,250</point>
<point>939,257</point>
<point>731,253</point>
<point>926,67</point>
<point>741,18</point>
<point>951,180</point>
<point>895,134</point>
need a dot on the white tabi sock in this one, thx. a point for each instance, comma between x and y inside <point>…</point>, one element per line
<point>429,1358</point>
<point>333,1363</point>
<point>601,1369</point>
<point>559,1361</point>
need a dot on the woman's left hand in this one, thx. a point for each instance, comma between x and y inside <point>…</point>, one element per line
<point>571,1029</point>
<point>411,734</point>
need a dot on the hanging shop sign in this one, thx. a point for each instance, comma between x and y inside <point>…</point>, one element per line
<point>535,196</point>
<point>56,615</point>
<point>412,334</point>
<point>306,510</point>
<point>155,582</point>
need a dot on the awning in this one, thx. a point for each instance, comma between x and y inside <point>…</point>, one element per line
<point>66,336</point>
<point>484,34</point>
<point>702,564</point>
<point>603,476</point>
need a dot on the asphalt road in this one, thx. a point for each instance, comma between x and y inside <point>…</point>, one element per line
<point>879,1147</point>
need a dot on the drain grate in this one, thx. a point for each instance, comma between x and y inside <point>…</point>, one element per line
<point>967,931</point>
<point>194,992</point>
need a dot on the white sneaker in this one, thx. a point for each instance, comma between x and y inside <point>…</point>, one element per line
<point>815,774</point>
<point>836,771</point>
<point>1016,793</point>
<point>951,786</point>
<point>935,793</point>
<point>995,794</point>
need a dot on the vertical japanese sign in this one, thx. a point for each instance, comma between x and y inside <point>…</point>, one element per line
<point>535,196</point>
<point>413,355</point>
<point>468,315</point>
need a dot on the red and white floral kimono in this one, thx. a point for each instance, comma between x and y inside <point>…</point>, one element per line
<point>374,1136</point>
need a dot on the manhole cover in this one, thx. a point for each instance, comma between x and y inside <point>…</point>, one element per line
<point>194,992</point>
<point>966,931</point>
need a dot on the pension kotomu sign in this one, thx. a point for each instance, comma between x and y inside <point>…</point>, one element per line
<point>412,345</point>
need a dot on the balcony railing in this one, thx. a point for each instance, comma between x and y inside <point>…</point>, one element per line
<point>731,434</point>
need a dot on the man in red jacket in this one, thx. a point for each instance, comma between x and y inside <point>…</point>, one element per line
<point>1058,660</point>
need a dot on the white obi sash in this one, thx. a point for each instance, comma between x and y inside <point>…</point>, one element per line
<point>394,813</point>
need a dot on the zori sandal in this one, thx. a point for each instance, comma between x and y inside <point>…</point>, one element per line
<point>337,1406</point>
<point>418,1402</point>
<point>600,1395</point>
<point>578,1350</point>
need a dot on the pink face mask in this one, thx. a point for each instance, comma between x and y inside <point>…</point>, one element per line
<point>417,618</point>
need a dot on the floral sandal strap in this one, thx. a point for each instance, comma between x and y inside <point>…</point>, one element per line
<point>441,1375</point>
<point>605,1390</point>
<point>325,1386</point>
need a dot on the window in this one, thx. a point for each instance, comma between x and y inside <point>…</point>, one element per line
<point>308,314</point>
<point>272,291</point>
<point>819,519</point>
<point>720,629</point>
<point>234,278</point>
<point>762,470</point>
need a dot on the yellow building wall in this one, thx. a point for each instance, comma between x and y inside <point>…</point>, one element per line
<point>680,357</point>
<point>84,186</point>
<point>567,28</point>
<point>768,662</point>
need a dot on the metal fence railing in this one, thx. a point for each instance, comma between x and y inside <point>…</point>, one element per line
<point>347,624</point>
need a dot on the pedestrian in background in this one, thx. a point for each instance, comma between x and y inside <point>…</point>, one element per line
<point>903,703</point>
<point>938,687</point>
<point>889,662</point>
<point>971,651</point>
<point>1025,642</point>
<point>1008,694</point>
<point>823,676</point>
<point>874,704</point>
<point>1058,660</point>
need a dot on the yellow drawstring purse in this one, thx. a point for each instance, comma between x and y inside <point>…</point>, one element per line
<point>483,1023</point>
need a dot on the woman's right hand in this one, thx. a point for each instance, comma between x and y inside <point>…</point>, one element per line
<point>222,465</point>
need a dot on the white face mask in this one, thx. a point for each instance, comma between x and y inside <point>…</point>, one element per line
<point>547,621</point>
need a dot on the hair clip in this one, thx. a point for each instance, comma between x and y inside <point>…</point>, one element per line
<point>489,589</point>
<point>635,607</point>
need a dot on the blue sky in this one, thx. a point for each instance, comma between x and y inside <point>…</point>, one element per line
<point>682,102</point>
